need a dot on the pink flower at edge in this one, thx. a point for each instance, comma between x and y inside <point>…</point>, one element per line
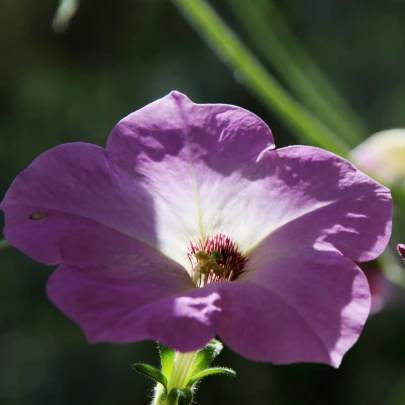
<point>124,224</point>
<point>401,250</point>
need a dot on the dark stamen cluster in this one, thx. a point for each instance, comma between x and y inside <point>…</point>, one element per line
<point>231,260</point>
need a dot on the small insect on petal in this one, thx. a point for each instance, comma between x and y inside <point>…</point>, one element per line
<point>38,215</point>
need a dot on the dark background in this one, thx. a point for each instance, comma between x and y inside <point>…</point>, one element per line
<point>114,58</point>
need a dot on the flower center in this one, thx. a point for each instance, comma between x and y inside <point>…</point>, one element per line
<point>215,259</point>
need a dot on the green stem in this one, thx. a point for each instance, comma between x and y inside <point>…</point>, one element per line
<point>4,244</point>
<point>273,37</point>
<point>179,376</point>
<point>181,369</point>
<point>157,397</point>
<point>232,51</point>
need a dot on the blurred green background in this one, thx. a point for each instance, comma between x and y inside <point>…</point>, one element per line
<point>114,58</point>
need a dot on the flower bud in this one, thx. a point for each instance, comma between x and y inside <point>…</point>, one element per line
<point>382,156</point>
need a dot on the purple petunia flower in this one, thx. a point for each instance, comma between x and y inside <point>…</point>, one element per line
<point>189,225</point>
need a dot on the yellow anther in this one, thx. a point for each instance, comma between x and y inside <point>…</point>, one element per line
<point>202,256</point>
<point>206,264</point>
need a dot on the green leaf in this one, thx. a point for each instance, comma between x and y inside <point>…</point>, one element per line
<point>166,359</point>
<point>205,356</point>
<point>211,371</point>
<point>152,373</point>
<point>180,396</point>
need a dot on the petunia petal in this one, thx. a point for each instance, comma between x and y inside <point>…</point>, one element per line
<point>66,189</point>
<point>183,153</point>
<point>113,304</point>
<point>120,290</point>
<point>210,169</point>
<point>43,239</point>
<point>306,307</point>
<point>307,196</point>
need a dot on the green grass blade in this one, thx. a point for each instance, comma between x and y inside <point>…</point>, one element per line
<point>232,51</point>
<point>276,42</point>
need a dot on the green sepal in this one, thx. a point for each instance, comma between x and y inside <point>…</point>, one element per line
<point>210,371</point>
<point>152,373</point>
<point>180,396</point>
<point>205,356</point>
<point>166,359</point>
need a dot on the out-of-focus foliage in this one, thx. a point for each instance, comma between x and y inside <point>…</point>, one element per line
<point>113,58</point>
<point>65,12</point>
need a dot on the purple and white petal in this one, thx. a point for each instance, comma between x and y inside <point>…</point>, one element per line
<point>210,169</point>
<point>70,187</point>
<point>120,290</point>
<point>304,307</point>
<point>115,303</point>
<point>301,196</point>
<point>190,158</point>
